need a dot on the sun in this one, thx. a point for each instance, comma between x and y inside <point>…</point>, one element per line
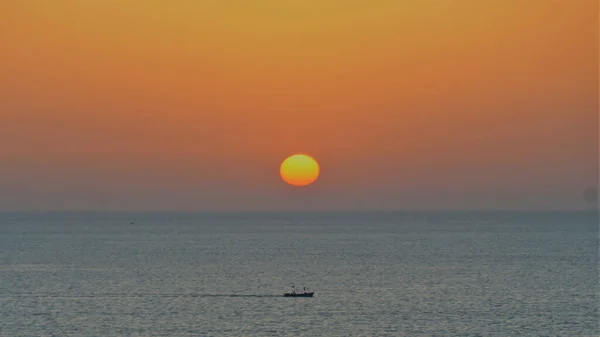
<point>299,170</point>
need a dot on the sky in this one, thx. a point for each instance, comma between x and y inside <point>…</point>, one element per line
<point>193,105</point>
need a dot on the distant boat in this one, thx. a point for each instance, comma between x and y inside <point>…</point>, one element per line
<point>304,293</point>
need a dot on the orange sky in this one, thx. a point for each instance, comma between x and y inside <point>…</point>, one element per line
<point>193,104</point>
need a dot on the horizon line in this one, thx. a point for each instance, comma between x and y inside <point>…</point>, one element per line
<point>311,211</point>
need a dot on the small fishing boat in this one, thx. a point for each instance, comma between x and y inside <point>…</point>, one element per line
<point>304,293</point>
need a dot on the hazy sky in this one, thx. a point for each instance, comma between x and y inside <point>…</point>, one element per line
<point>169,105</point>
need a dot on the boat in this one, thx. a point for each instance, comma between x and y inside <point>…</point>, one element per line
<point>304,293</point>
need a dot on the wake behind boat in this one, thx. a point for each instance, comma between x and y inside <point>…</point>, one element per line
<point>304,293</point>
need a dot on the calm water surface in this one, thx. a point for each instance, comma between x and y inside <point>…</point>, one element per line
<point>386,274</point>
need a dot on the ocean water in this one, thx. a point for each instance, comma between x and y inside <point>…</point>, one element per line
<point>374,274</point>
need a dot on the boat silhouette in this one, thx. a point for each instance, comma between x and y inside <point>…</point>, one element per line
<point>304,293</point>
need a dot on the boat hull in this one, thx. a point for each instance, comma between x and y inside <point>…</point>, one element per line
<point>308,294</point>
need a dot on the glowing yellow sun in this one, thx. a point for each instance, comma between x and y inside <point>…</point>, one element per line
<point>299,170</point>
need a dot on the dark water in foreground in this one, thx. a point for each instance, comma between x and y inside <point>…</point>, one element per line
<point>404,274</point>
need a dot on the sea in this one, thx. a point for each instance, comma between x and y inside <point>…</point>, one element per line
<point>486,273</point>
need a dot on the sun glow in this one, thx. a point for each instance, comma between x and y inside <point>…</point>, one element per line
<point>299,170</point>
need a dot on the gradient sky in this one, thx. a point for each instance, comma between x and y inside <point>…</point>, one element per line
<point>192,105</point>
